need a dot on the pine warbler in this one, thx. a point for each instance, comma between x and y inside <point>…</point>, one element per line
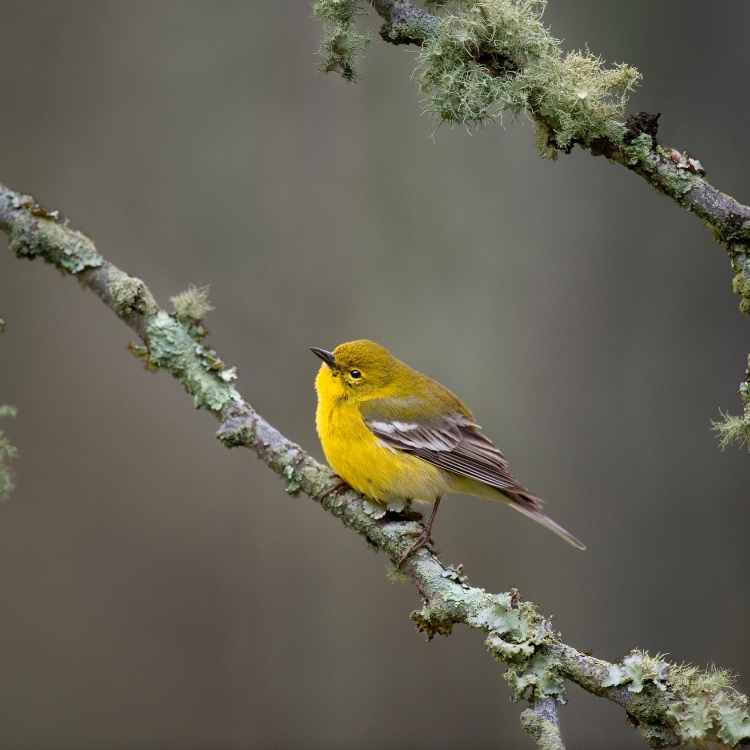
<point>393,433</point>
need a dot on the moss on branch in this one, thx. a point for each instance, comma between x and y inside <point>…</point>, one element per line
<point>342,43</point>
<point>488,57</point>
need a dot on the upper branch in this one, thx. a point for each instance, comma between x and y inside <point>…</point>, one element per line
<point>669,703</point>
<point>481,58</point>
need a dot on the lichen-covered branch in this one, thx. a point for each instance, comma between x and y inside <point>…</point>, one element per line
<point>479,59</point>
<point>542,724</point>
<point>670,704</point>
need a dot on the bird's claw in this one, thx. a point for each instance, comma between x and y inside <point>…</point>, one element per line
<point>336,489</point>
<point>423,540</point>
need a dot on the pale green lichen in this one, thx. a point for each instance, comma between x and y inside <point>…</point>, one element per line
<point>171,347</point>
<point>37,235</point>
<point>193,304</point>
<point>706,705</point>
<point>732,429</point>
<point>517,636</point>
<point>493,56</point>
<point>342,42</point>
<point>536,678</point>
<point>8,453</point>
<point>636,671</point>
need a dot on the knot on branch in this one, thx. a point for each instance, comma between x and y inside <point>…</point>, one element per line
<point>238,428</point>
<point>642,122</point>
<point>130,296</point>
<point>405,23</point>
<point>433,619</point>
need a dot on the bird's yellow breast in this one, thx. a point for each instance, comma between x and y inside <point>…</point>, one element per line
<point>361,460</point>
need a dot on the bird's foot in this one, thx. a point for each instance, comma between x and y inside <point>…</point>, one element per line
<point>423,540</point>
<point>337,488</point>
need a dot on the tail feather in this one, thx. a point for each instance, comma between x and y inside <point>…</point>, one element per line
<point>531,507</point>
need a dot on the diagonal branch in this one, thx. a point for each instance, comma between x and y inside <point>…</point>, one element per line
<point>670,704</point>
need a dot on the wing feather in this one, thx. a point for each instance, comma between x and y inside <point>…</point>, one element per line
<point>453,442</point>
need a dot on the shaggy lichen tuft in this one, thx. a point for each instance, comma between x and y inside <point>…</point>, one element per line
<point>342,42</point>
<point>706,705</point>
<point>488,57</point>
<point>7,453</point>
<point>732,429</point>
<point>193,304</point>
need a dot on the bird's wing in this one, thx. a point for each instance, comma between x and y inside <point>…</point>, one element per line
<point>450,441</point>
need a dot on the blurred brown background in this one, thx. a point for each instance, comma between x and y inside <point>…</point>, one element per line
<point>160,592</point>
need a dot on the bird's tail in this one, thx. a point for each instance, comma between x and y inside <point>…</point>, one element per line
<point>531,507</point>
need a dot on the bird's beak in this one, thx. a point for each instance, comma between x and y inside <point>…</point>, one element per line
<point>325,355</point>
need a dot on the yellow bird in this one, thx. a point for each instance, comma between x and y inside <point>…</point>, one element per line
<point>394,434</point>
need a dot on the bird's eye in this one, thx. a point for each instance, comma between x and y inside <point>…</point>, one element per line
<point>355,374</point>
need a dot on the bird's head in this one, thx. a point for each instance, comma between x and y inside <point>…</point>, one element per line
<point>358,369</point>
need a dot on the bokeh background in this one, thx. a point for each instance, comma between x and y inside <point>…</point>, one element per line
<point>160,592</point>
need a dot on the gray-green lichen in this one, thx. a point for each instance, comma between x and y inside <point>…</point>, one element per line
<point>517,635</point>
<point>8,452</point>
<point>700,705</point>
<point>342,42</point>
<point>706,705</point>
<point>41,233</point>
<point>204,375</point>
<point>638,669</point>
<point>493,56</point>
<point>536,678</point>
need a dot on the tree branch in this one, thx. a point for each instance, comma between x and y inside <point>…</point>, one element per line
<point>670,704</point>
<point>542,724</point>
<point>631,144</point>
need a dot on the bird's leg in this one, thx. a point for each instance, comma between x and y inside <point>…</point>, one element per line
<point>425,537</point>
<point>336,488</point>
